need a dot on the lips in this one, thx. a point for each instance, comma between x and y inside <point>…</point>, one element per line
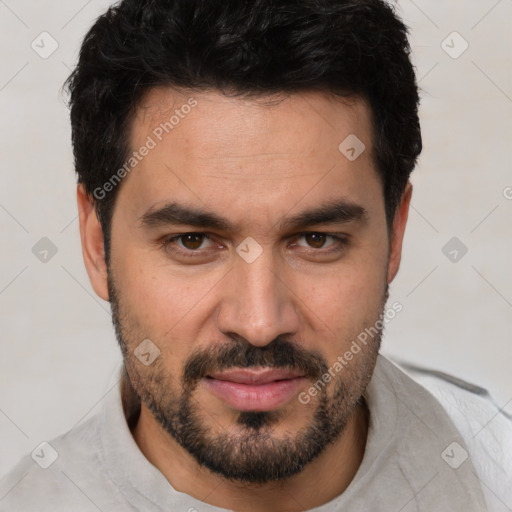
<point>255,377</point>
<point>255,389</point>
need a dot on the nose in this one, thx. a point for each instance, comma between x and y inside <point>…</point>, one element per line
<point>258,304</point>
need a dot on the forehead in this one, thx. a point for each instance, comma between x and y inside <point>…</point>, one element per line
<point>299,124</point>
<point>241,153</point>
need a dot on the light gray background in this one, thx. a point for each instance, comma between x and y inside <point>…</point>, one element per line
<point>58,350</point>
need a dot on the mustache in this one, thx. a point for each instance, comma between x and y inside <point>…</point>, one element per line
<point>280,353</point>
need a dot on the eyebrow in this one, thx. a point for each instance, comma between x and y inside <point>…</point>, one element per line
<point>333,212</point>
<point>174,213</point>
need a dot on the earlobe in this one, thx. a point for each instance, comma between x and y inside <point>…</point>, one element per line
<point>93,247</point>
<point>397,233</point>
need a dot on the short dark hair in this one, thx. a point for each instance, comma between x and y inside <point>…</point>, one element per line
<point>242,47</point>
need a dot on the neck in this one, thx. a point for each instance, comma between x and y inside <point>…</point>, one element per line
<point>322,480</point>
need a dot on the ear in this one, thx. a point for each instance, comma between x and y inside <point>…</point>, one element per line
<point>93,249</point>
<point>397,232</point>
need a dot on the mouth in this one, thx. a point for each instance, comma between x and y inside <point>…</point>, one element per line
<point>263,389</point>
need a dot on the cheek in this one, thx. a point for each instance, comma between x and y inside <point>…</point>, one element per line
<point>167,306</point>
<point>344,303</point>
<point>149,288</point>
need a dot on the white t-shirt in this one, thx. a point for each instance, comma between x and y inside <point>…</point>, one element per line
<point>449,449</point>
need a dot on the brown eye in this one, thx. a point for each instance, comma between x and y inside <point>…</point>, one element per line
<point>315,240</point>
<point>192,241</point>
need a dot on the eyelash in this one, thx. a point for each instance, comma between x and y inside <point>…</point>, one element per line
<point>340,242</point>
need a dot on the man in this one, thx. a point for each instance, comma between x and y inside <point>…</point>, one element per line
<point>243,196</point>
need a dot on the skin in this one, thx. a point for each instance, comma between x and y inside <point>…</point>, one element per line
<point>255,163</point>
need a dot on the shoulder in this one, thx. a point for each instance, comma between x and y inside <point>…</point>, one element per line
<point>484,426</point>
<point>24,486</point>
<point>66,473</point>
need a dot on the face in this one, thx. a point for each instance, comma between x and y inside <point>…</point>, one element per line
<point>251,252</point>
